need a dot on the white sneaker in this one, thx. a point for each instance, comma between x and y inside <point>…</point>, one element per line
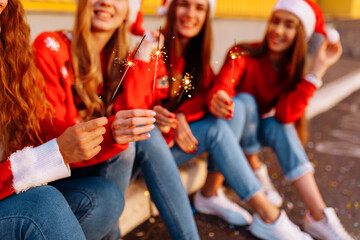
<point>281,229</point>
<point>271,193</point>
<point>222,207</point>
<point>329,228</point>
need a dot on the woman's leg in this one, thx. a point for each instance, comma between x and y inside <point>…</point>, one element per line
<point>215,136</point>
<point>166,189</point>
<point>322,222</point>
<point>293,161</point>
<point>116,169</point>
<point>38,213</point>
<point>96,202</point>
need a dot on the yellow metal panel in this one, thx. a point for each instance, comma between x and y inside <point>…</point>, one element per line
<point>227,8</point>
<point>343,8</point>
<point>244,8</point>
<point>150,6</point>
<point>50,5</point>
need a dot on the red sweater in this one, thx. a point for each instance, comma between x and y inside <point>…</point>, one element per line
<point>138,85</point>
<point>53,58</point>
<point>257,77</point>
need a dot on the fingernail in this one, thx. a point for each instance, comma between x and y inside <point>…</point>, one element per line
<point>153,120</point>
<point>228,117</point>
<point>171,115</point>
<point>152,126</point>
<point>153,113</point>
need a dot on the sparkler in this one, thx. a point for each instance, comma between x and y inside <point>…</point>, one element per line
<point>186,86</point>
<point>234,55</point>
<point>157,59</point>
<point>129,64</point>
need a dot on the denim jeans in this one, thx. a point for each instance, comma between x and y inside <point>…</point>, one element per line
<point>281,138</point>
<point>216,137</point>
<point>39,213</point>
<point>98,208</point>
<point>165,186</point>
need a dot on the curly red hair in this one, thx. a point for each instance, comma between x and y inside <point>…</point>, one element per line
<point>21,85</point>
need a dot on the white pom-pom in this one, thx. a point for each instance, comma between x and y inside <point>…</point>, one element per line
<point>333,36</point>
<point>161,11</point>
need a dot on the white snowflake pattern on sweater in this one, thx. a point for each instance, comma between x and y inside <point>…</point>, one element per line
<point>52,44</point>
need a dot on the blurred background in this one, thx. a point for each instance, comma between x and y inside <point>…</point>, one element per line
<point>234,21</point>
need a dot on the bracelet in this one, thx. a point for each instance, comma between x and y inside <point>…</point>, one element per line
<point>317,82</point>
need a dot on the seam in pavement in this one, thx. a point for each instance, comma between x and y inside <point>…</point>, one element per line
<point>332,93</point>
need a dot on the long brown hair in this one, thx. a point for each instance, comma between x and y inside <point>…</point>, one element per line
<point>197,54</point>
<point>21,86</point>
<point>292,67</point>
<point>87,65</point>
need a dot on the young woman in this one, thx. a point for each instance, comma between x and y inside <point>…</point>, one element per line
<point>272,72</point>
<point>81,70</point>
<point>29,210</point>
<point>183,120</point>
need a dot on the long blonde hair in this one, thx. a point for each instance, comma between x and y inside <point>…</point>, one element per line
<point>87,65</point>
<point>23,104</point>
<point>296,58</point>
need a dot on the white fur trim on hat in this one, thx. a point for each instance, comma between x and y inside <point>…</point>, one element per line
<point>163,9</point>
<point>300,9</point>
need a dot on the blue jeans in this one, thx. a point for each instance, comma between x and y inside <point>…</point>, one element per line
<point>98,208</point>
<point>39,213</point>
<point>216,137</point>
<point>281,138</point>
<point>165,186</point>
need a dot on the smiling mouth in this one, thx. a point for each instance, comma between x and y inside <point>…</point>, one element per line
<point>103,14</point>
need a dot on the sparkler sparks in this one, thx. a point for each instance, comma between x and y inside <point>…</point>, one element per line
<point>128,65</point>
<point>157,59</point>
<point>186,86</point>
<point>234,54</point>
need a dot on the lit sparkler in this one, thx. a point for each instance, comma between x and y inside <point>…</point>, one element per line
<point>157,59</point>
<point>186,86</point>
<point>129,64</point>
<point>234,55</point>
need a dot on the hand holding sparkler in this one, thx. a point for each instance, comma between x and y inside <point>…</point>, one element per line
<point>222,105</point>
<point>132,125</point>
<point>165,119</point>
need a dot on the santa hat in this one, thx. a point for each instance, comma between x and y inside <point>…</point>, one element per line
<point>163,9</point>
<point>136,17</point>
<point>309,13</point>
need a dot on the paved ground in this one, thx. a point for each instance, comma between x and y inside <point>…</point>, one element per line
<point>334,149</point>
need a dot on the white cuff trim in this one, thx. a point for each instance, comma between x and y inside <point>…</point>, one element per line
<point>317,82</point>
<point>32,167</point>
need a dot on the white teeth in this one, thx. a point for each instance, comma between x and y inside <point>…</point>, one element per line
<point>103,14</point>
<point>187,24</point>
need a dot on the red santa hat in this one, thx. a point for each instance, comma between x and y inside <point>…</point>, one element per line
<point>163,9</point>
<point>309,13</point>
<point>136,17</point>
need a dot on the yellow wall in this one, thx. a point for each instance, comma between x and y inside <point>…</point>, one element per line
<point>49,5</point>
<point>343,9</point>
<point>224,8</point>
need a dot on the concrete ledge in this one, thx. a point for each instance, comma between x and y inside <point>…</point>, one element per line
<point>138,204</point>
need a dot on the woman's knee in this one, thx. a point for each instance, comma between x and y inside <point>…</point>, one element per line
<point>248,100</point>
<point>40,213</point>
